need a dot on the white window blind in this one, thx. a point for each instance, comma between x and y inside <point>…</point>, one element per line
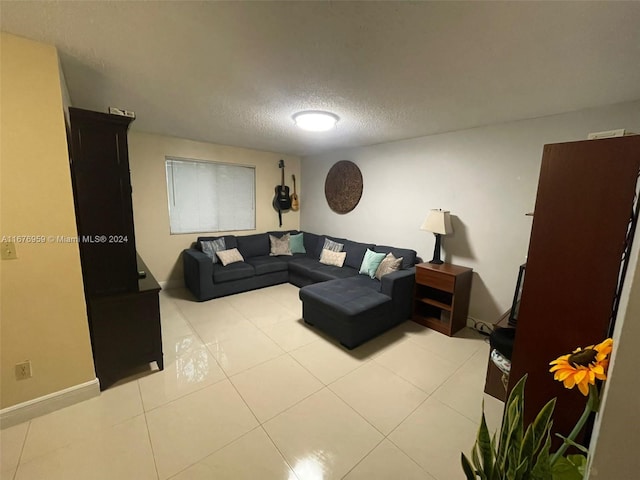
<point>210,197</point>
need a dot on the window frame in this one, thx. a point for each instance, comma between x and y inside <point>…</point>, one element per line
<point>171,185</point>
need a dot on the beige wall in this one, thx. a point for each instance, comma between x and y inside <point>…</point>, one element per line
<point>160,250</point>
<point>43,315</point>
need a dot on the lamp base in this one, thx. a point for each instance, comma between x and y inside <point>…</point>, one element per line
<point>436,251</point>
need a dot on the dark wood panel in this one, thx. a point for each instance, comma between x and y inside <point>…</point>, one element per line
<point>123,309</point>
<point>104,209</point>
<point>582,212</point>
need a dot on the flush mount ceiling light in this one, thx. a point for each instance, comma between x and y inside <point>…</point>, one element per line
<point>315,120</point>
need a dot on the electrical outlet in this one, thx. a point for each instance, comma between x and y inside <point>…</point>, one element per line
<point>9,251</point>
<point>23,370</point>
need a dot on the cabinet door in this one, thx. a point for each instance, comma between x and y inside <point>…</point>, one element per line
<point>104,210</point>
<point>582,213</point>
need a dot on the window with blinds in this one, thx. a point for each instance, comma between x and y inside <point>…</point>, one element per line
<point>209,196</point>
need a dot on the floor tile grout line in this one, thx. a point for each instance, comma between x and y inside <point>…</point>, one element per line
<point>280,452</point>
<point>146,423</point>
<point>328,387</point>
<point>24,444</point>
<point>213,452</point>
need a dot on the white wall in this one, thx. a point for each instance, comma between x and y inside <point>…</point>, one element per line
<point>613,455</point>
<point>487,177</point>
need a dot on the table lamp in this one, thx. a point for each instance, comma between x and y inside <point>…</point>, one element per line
<point>439,222</point>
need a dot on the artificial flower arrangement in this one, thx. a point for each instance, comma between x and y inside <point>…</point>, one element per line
<point>520,454</point>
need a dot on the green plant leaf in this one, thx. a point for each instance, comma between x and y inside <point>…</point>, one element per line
<point>513,407</point>
<point>573,444</point>
<point>563,469</point>
<point>484,445</point>
<point>542,468</point>
<point>467,468</point>
<point>580,461</point>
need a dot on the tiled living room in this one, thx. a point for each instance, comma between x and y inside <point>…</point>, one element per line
<point>185,288</point>
<point>250,391</point>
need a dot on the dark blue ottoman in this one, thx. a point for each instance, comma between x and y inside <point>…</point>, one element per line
<point>351,310</point>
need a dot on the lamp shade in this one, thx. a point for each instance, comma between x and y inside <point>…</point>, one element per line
<point>438,221</point>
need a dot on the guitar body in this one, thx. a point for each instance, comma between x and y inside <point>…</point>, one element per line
<point>282,200</point>
<point>295,203</point>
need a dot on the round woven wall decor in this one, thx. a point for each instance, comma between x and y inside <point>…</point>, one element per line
<point>343,186</point>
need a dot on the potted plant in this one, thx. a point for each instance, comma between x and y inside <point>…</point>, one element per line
<point>519,454</point>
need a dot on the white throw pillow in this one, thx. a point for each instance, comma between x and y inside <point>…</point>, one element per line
<point>230,256</point>
<point>332,258</point>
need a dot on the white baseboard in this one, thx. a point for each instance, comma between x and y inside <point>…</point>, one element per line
<point>48,403</point>
<point>168,284</point>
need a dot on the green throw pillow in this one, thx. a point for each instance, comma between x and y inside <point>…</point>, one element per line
<point>370,263</point>
<point>296,243</point>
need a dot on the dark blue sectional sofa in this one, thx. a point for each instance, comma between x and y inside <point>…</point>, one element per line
<point>338,300</point>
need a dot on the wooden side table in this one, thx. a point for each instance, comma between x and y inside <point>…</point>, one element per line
<point>441,296</point>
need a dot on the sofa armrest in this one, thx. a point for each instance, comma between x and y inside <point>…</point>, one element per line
<point>399,286</point>
<point>198,273</point>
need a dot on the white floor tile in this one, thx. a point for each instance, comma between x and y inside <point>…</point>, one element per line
<point>238,354</point>
<point>324,409</point>
<point>464,391</point>
<point>322,437</point>
<point>291,335</point>
<point>188,429</point>
<point>380,396</point>
<point>82,420</point>
<point>274,386</point>
<point>386,462</point>
<point>252,457</point>
<point>188,370</point>
<point>11,444</point>
<point>122,451</point>
<point>424,369</point>
<point>326,360</point>
<point>434,436</point>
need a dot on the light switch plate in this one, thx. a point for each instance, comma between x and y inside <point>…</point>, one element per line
<point>9,251</point>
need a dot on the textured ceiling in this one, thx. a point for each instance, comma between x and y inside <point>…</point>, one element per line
<point>234,72</point>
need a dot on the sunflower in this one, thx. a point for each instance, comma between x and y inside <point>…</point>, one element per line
<point>583,366</point>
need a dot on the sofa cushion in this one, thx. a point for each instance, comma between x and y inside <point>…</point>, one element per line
<point>296,243</point>
<point>317,251</point>
<point>229,241</point>
<point>408,256</point>
<point>210,247</point>
<point>303,265</point>
<point>389,264</point>
<point>347,299</point>
<point>279,246</point>
<point>331,246</point>
<point>268,264</point>
<point>254,245</point>
<point>355,252</point>
<point>234,271</point>
<point>228,257</point>
<point>324,273</point>
<point>331,257</point>
<point>370,263</point>
<point>311,243</point>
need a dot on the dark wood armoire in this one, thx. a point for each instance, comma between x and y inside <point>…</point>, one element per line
<point>583,213</point>
<point>121,294</point>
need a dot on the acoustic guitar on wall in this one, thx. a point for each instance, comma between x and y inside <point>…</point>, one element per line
<point>282,200</point>
<point>295,203</point>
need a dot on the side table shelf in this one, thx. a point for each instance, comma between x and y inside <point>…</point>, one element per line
<point>441,296</point>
